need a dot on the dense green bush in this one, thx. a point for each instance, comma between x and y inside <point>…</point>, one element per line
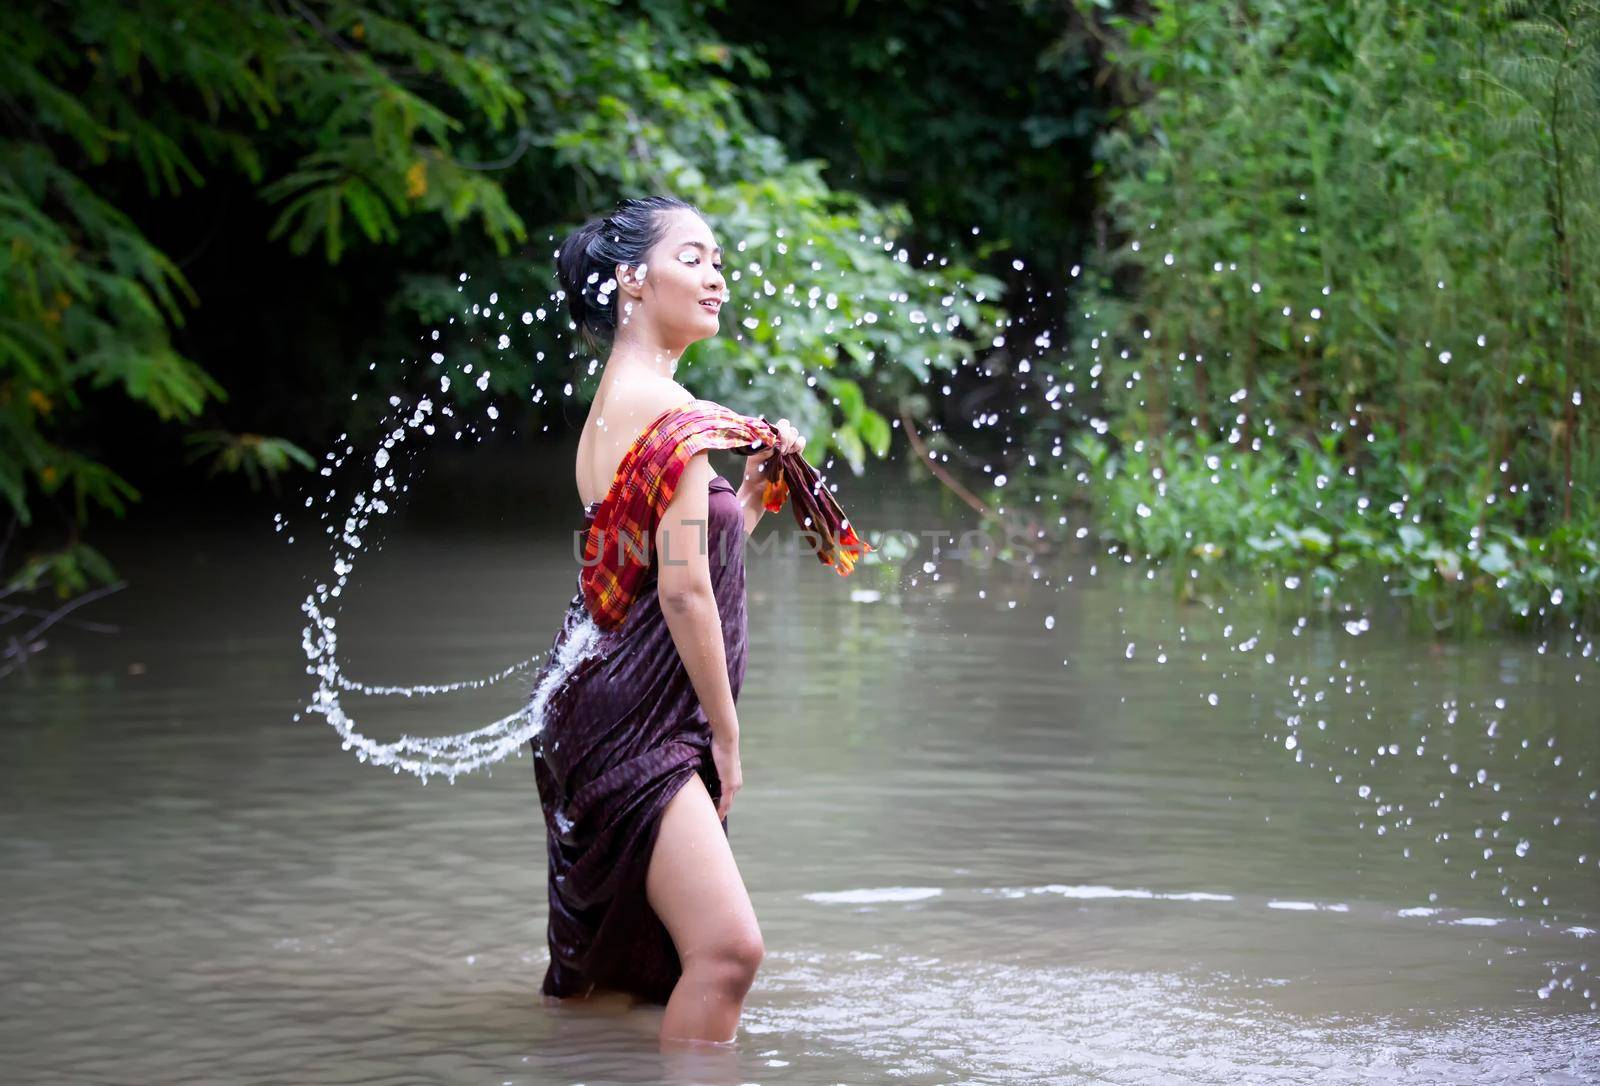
<point>1356,244</point>
<point>390,125</point>
<point>1340,324</point>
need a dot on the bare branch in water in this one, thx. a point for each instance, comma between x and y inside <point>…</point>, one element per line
<point>18,648</point>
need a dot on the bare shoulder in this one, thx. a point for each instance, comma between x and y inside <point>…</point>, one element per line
<point>642,400</point>
<point>628,408</point>
<point>616,419</point>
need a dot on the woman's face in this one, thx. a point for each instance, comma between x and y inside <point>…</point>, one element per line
<point>682,289</point>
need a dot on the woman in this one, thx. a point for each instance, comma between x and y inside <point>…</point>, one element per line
<point>638,761</point>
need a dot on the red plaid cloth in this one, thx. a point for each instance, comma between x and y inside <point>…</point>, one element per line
<point>619,545</point>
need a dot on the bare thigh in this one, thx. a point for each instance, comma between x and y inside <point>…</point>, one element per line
<point>693,884</point>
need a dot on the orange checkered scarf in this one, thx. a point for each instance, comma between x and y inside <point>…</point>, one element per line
<point>618,545</point>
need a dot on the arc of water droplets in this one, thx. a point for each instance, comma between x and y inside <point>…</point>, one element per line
<point>445,755</point>
<point>425,756</point>
<point>422,690</point>
<point>454,754</point>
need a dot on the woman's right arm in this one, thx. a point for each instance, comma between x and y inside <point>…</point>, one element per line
<point>758,469</point>
<point>688,603</point>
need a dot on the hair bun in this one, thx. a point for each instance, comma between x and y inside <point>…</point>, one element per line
<point>586,262</point>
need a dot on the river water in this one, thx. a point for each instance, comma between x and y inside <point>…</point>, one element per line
<point>1000,825</point>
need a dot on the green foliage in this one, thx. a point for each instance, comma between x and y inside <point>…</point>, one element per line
<point>1330,534</point>
<point>250,454</point>
<point>974,115</point>
<point>86,300</point>
<point>1371,231</point>
<point>825,298</point>
<point>68,571</point>
<point>393,124</point>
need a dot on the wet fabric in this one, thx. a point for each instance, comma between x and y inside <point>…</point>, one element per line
<point>619,543</point>
<point>624,731</point>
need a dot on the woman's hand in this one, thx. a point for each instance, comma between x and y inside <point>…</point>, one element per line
<point>789,440</point>
<point>725,756</point>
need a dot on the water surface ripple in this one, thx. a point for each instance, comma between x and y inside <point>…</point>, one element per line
<point>1081,835</point>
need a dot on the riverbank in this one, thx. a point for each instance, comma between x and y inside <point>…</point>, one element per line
<point>1301,522</point>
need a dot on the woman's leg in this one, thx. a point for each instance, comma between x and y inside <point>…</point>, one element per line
<point>695,888</point>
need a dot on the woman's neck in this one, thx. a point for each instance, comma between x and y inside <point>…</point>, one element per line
<point>643,354</point>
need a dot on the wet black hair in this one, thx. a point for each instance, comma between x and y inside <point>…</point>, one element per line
<point>586,263</point>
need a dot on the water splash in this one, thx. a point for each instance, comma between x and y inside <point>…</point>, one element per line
<point>424,756</point>
<point>1299,727</point>
<point>445,755</point>
<point>410,424</point>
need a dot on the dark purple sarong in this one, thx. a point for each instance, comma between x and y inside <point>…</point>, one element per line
<point>624,731</point>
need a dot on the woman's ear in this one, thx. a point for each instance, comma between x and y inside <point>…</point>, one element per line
<point>630,281</point>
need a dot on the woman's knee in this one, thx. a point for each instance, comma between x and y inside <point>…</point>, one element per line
<point>730,964</point>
